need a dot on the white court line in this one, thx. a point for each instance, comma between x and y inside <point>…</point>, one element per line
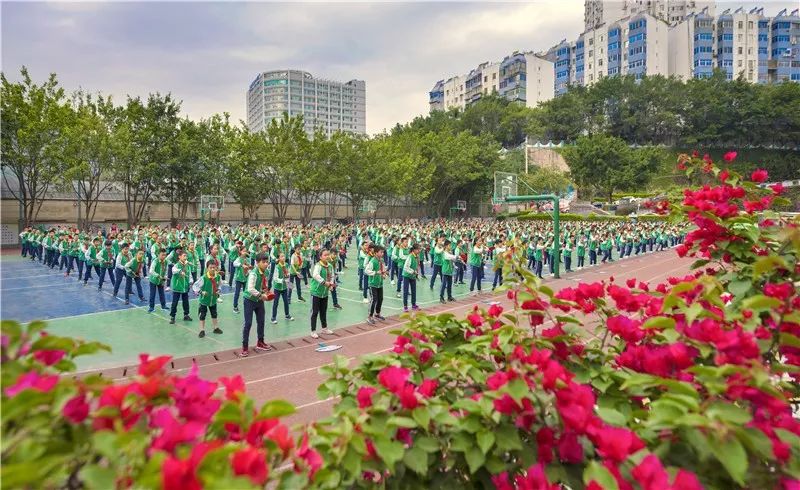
<point>2,278</point>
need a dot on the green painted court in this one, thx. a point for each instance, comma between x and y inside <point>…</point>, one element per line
<point>31,291</point>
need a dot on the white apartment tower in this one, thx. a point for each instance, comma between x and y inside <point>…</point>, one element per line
<point>598,12</point>
<point>324,104</point>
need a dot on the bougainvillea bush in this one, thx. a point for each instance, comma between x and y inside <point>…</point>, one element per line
<point>685,384</point>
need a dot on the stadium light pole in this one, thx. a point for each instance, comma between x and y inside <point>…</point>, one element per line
<point>556,223</point>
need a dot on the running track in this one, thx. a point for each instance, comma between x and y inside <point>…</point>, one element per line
<point>291,372</point>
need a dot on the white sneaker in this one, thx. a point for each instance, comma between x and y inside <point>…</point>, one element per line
<point>314,335</point>
<point>326,331</point>
<point>392,281</point>
<point>365,301</point>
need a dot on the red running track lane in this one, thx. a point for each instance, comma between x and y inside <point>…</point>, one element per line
<point>292,371</point>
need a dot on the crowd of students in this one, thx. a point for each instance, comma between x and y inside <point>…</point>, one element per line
<point>270,264</point>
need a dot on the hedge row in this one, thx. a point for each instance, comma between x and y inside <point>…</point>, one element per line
<point>577,217</point>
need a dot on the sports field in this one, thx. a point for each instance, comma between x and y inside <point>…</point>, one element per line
<point>30,291</point>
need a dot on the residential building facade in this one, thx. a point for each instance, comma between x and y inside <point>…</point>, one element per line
<point>604,12</point>
<point>519,77</point>
<point>324,104</point>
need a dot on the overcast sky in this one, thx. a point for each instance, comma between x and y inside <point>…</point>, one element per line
<point>206,54</point>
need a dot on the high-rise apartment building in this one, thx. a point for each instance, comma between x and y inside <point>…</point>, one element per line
<point>324,104</point>
<point>520,77</point>
<point>599,12</point>
<point>741,43</point>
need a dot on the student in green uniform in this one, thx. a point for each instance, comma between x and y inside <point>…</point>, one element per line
<point>242,267</point>
<point>475,261</point>
<point>376,271</point>
<point>134,270</point>
<point>157,276</point>
<point>497,265</point>
<point>121,263</point>
<point>410,273</point>
<point>322,281</point>
<point>255,293</point>
<point>281,278</point>
<point>295,269</point>
<point>179,284</point>
<point>448,261</point>
<point>208,292</point>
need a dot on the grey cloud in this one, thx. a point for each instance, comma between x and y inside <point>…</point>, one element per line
<point>207,53</point>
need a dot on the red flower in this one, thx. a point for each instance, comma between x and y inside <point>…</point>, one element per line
<point>251,462</point>
<point>32,380</point>
<point>281,437</point>
<point>475,319</point>
<point>311,457</point>
<point>408,397</point>
<point>149,367</point>
<point>364,396</point>
<point>686,480</point>
<point>569,448</point>
<point>759,175</point>
<point>723,176</point>
<point>499,379</point>
<point>777,188</point>
<point>425,356</point>
<point>616,443</point>
<point>629,330</point>
<point>181,473</point>
<point>76,410</point>
<point>428,388</point>
<point>495,310</point>
<point>779,291</point>
<point>730,156</point>
<point>233,386</point>
<point>49,357</point>
<point>393,378</point>
<point>650,474</point>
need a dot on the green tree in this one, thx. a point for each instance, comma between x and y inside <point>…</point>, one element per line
<point>546,180</point>
<point>89,152</point>
<point>287,147</point>
<point>312,173</point>
<point>243,167</point>
<point>606,163</point>
<point>33,123</point>
<point>146,145</point>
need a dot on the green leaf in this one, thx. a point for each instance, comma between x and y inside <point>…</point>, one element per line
<point>732,456</point>
<point>485,440</point>
<point>611,416</point>
<point>475,459</point>
<point>416,459</point>
<point>94,476</point>
<point>598,473</point>
<point>760,302</point>
<point>739,287</point>
<point>768,263</point>
<point>275,409</point>
<point>507,438</point>
<point>659,322</point>
<point>405,422</point>
<point>790,340</point>
<point>427,444</point>
<point>729,412</point>
<point>389,451</point>
<point>422,417</point>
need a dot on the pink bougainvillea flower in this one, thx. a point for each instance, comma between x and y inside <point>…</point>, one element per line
<point>616,443</point>
<point>730,156</point>
<point>760,175</point>
<point>495,310</point>
<point>777,188</point>
<point>428,388</point>
<point>252,463</point>
<point>569,448</point>
<point>32,381</point>
<point>311,457</point>
<point>686,480</point>
<point>408,397</point>
<point>182,473</point>
<point>148,367</point>
<point>723,176</point>
<point>49,357</point>
<point>173,432</point>
<point>234,386</point>
<point>364,396</point>
<point>76,410</point>
<point>393,378</point>
<point>475,319</point>
<point>499,379</point>
<point>650,474</point>
<point>425,356</point>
